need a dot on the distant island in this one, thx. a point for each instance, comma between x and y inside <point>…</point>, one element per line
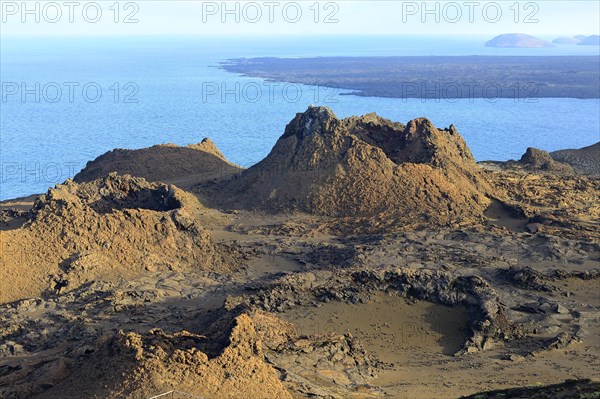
<point>566,40</point>
<point>519,40</point>
<point>435,77</point>
<point>593,40</point>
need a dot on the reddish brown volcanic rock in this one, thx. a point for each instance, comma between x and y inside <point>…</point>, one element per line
<point>365,167</point>
<point>116,226</point>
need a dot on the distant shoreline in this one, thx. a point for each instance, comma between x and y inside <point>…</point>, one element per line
<point>522,78</point>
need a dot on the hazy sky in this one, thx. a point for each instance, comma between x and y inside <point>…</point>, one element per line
<point>107,17</point>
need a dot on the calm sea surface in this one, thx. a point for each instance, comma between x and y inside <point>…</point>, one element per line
<point>65,101</point>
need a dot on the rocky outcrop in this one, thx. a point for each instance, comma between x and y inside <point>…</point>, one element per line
<point>535,159</point>
<point>117,226</point>
<point>365,167</point>
<point>141,365</point>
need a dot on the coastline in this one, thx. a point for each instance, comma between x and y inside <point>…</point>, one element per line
<point>434,77</point>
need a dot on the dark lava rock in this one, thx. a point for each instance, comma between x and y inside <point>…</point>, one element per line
<point>570,389</point>
<point>527,278</point>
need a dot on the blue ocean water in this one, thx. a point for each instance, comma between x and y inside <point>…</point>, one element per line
<point>65,101</point>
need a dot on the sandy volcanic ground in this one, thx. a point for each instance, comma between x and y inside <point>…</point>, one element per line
<point>295,303</point>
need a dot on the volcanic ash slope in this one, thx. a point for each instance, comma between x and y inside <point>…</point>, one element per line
<point>365,167</point>
<point>167,163</point>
